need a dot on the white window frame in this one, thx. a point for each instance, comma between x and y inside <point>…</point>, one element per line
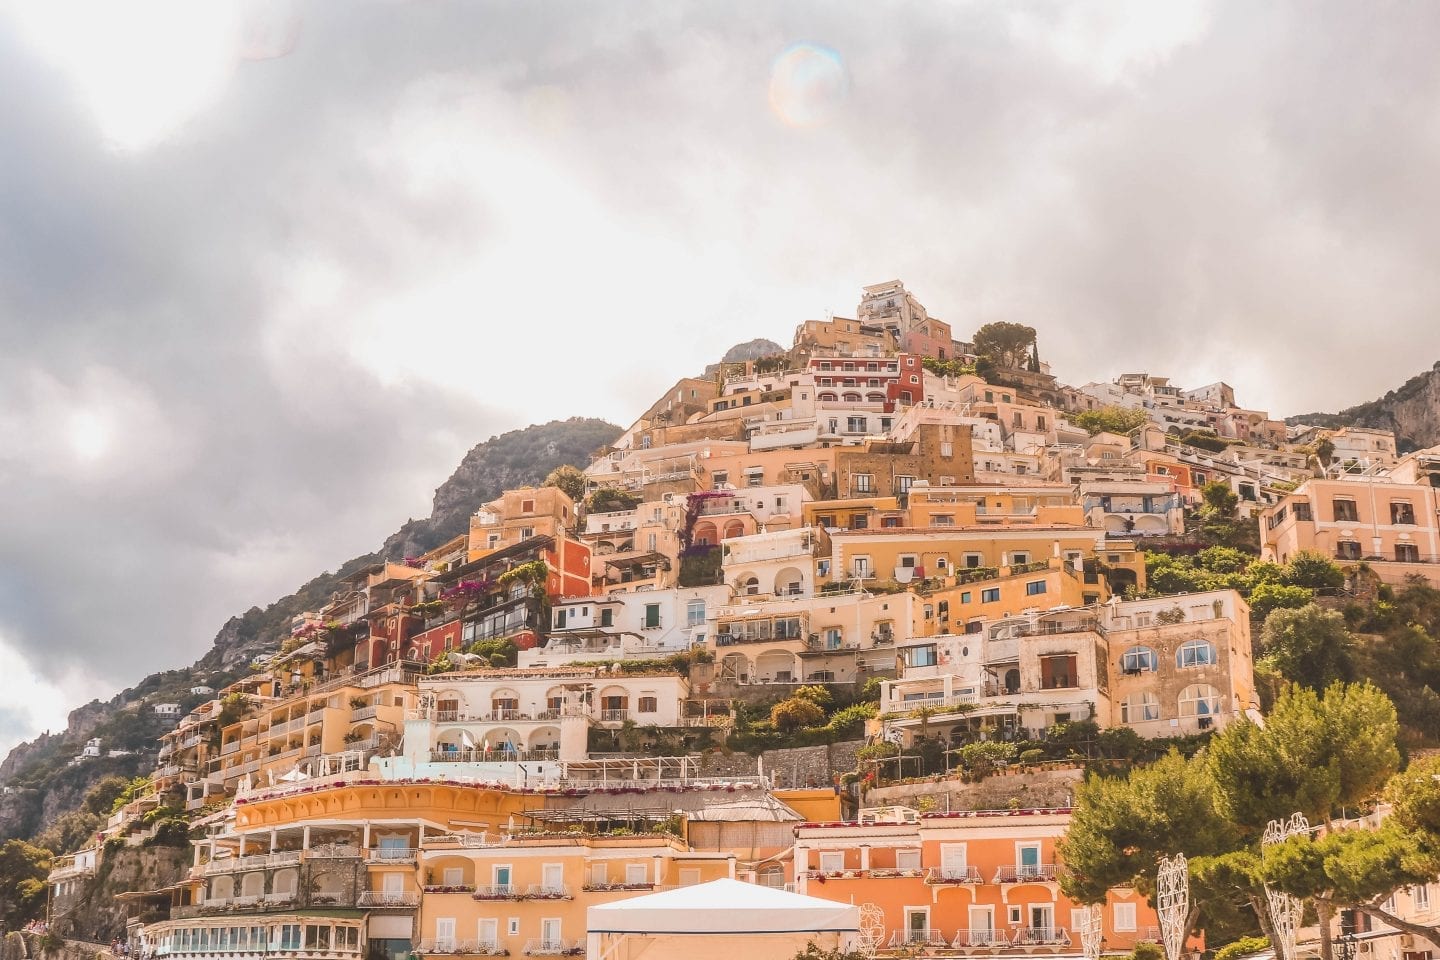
<point>1123,917</point>
<point>836,859</point>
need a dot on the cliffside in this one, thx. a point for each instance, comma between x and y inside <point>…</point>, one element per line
<point>1412,411</point>
<point>42,784</point>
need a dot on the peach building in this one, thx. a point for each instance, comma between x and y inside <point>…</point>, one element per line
<point>1392,526</point>
<point>983,882</point>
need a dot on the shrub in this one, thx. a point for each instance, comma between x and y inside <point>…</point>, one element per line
<point>796,712</point>
<point>1034,755</point>
<point>983,758</point>
<point>1242,947</point>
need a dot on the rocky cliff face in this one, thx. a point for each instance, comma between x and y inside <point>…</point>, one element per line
<point>1411,411</point>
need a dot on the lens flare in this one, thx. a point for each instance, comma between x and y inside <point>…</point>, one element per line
<point>808,84</point>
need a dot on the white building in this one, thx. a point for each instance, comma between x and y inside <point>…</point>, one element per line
<point>626,626</point>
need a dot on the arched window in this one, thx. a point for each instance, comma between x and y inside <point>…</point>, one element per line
<point>1139,707</point>
<point>772,876</point>
<point>1139,660</point>
<point>1199,700</point>
<point>750,586</point>
<point>1195,653</point>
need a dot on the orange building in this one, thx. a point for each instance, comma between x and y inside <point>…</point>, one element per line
<point>978,882</point>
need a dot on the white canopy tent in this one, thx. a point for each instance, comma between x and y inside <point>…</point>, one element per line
<point>722,919</point>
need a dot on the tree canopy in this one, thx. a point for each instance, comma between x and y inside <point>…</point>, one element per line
<point>1110,420</point>
<point>1007,344</point>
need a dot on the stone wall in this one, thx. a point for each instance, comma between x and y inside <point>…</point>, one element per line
<point>1043,787</point>
<point>790,767</point>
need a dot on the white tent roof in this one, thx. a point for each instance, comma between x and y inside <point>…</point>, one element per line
<point>723,906</point>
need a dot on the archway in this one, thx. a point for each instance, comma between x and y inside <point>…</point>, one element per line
<point>775,666</point>
<point>705,533</point>
<point>789,582</point>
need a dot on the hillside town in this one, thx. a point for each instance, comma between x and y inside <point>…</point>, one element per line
<point>838,630</point>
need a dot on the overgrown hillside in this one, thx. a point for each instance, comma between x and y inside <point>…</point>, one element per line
<point>44,785</point>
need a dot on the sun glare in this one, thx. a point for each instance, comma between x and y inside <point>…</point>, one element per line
<point>142,68</point>
<point>89,435</point>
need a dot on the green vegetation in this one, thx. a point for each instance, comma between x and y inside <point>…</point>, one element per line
<point>569,479</point>
<point>23,869</point>
<point>1119,420</point>
<point>947,368</point>
<point>1318,753</point>
<point>1006,344</point>
<point>610,499</point>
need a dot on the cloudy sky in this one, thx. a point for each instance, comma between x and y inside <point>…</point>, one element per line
<point>267,269</point>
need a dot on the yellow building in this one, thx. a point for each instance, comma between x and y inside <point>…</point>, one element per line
<point>964,602</point>
<point>346,719</point>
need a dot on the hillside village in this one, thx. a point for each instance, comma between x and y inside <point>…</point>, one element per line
<point>852,619</point>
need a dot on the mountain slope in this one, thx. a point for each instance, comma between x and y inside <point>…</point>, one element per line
<point>1412,411</point>
<point>45,787</point>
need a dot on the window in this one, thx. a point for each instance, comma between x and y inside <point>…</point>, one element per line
<point>862,567</point>
<point>1402,512</point>
<point>1019,559</point>
<point>1124,921</point>
<point>560,619</point>
<point>947,449</point>
<point>990,595</point>
<point>907,859</point>
<point>1302,510</point>
<point>1139,707</point>
<point>1058,672</point>
<point>689,876</point>
<point>1034,588</point>
<point>903,484</point>
<point>973,560</point>
<point>694,613</point>
<point>1347,550</point>
<point>720,478</point>
<point>1139,660</point>
<point>1407,553</point>
<point>607,618</point>
<point>527,506</point>
<point>855,424</point>
<point>652,616</point>
<point>1195,653</point>
<point>859,521</point>
<point>942,519</point>
<point>526,533</point>
<point>1199,700</point>
<point>647,705</point>
<point>1421,895</point>
<point>1344,509</point>
<point>864,482</point>
<point>636,873</point>
<point>832,862</point>
<point>1013,914</point>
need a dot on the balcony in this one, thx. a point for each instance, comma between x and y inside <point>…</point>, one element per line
<point>540,891</point>
<point>1026,873</point>
<point>363,713</point>
<point>463,948</point>
<point>478,755</point>
<point>497,891</point>
<point>257,861</point>
<point>947,875</point>
<point>374,899</point>
<point>1040,936</point>
<point>391,855</point>
<point>554,948</point>
<point>918,937</point>
<point>333,851</point>
<point>978,938</point>
<point>614,716</point>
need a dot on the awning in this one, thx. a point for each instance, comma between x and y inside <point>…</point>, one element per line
<point>723,907</point>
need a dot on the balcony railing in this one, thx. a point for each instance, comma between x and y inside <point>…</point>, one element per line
<point>614,716</point>
<point>942,875</point>
<point>379,898</point>
<point>333,851</point>
<point>1026,873</point>
<point>554,948</point>
<point>363,713</point>
<point>464,948</point>
<point>254,861</point>
<point>478,755</point>
<point>540,891</point>
<point>917,937</point>
<point>496,891</point>
<point>391,855</point>
<point>978,938</point>
<point>1040,936</point>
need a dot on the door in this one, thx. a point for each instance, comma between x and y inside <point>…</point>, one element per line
<point>550,933</point>
<point>982,927</point>
<point>392,884</point>
<point>489,932</point>
<point>917,926</point>
<point>501,876</point>
<point>952,862</point>
<point>444,934</point>
<point>1042,923</point>
<point>553,877</point>
<point>1029,865</point>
